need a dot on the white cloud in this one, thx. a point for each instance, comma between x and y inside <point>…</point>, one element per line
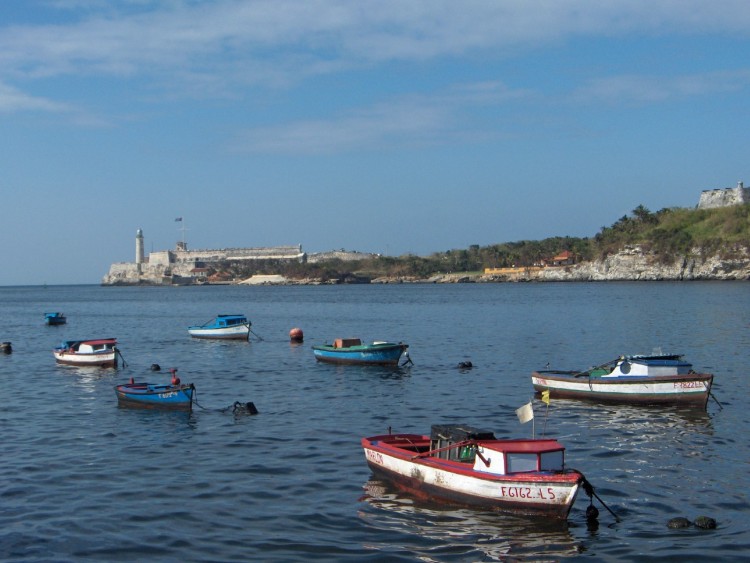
<point>295,36</point>
<point>13,100</point>
<point>653,89</point>
<point>415,120</point>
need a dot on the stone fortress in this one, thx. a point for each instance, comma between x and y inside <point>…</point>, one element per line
<point>185,267</point>
<point>724,197</point>
<point>182,266</point>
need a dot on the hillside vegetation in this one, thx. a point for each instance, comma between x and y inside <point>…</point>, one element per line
<point>670,233</point>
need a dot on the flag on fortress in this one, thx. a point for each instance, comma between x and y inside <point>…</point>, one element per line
<point>178,219</point>
<point>525,413</point>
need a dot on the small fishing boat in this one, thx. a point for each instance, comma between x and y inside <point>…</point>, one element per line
<point>352,351</point>
<point>176,396</point>
<point>227,327</point>
<point>654,379</point>
<point>102,352</point>
<point>54,319</point>
<point>460,464</point>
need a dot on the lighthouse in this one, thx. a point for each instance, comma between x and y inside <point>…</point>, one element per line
<point>139,249</point>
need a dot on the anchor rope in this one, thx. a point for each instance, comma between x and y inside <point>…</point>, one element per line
<point>589,490</point>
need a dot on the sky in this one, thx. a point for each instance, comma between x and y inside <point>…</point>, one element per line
<point>389,126</point>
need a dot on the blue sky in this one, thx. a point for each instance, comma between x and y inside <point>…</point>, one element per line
<point>378,126</point>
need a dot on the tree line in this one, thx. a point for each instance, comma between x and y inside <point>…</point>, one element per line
<point>669,233</point>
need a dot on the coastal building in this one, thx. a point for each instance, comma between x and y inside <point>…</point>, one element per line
<point>183,266</point>
<point>725,197</point>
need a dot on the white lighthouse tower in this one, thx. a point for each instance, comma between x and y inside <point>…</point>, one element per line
<point>139,249</point>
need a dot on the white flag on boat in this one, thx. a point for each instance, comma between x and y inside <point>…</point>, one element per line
<point>525,413</point>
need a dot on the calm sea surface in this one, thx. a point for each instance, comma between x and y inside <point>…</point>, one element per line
<point>81,479</point>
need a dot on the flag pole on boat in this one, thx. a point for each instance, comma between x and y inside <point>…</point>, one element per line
<point>545,400</point>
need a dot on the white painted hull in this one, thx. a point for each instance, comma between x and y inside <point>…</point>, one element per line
<point>547,493</point>
<point>99,359</point>
<point>226,333</point>
<point>690,388</point>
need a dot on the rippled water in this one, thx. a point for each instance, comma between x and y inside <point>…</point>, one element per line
<point>81,479</point>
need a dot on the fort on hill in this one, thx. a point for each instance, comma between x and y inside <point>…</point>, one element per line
<point>182,266</point>
<point>185,267</point>
<point>724,197</point>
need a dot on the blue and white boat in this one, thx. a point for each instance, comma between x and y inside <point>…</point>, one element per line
<point>54,318</point>
<point>175,396</point>
<point>352,351</point>
<point>226,327</point>
<point>652,379</point>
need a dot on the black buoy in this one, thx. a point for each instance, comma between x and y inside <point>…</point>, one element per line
<point>155,367</point>
<point>592,513</point>
<point>465,365</point>
<point>5,347</point>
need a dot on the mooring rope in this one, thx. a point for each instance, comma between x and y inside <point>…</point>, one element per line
<point>589,490</point>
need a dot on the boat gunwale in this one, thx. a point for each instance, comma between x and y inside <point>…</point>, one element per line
<point>361,348</point>
<point>577,376</point>
<point>566,476</point>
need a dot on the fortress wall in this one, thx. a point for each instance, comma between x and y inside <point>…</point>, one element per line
<point>724,197</point>
<point>339,255</point>
<point>160,258</point>
<point>262,253</point>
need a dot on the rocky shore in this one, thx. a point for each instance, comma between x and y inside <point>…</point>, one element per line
<point>630,264</point>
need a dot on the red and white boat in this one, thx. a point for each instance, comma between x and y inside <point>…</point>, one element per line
<point>460,464</point>
<point>101,353</point>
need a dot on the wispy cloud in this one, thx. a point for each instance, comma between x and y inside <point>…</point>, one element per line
<point>13,100</point>
<point>641,89</point>
<point>292,38</point>
<point>416,120</point>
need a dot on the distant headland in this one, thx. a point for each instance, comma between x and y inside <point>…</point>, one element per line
<point>709,242</point>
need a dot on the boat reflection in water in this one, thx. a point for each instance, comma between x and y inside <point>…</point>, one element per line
<point>431,530</point>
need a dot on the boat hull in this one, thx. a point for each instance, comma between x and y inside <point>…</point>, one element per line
<point>150,396</point>
<point>548,493</point>
<point>55,320</point>
<point>375,354</point>
<point>226,333</point>
<point>687,389</point>
<point>106,359</point>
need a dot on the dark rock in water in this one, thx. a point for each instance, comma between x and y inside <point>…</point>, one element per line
<point>679,522</point>
<point>5,347</point>
<point>705,522</point>
<point>465,365</point>
<point>155,367</point>
<point>244,408</point>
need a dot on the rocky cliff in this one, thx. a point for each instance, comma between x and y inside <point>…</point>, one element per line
<point>635,264</point>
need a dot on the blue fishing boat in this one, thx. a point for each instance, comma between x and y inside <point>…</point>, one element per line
<point>54,319</point>
<point>226,327</point>
<point>352,351</point>
<point>175,396</point>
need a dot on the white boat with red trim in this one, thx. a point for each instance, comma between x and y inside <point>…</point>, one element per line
<point>102,352</point>
<point>654,379</point>
<point>458,463</point>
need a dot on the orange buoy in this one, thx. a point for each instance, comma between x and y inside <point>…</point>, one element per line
<point>295,335</point>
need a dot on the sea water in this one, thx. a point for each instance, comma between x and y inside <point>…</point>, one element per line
<point>82,479</point>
